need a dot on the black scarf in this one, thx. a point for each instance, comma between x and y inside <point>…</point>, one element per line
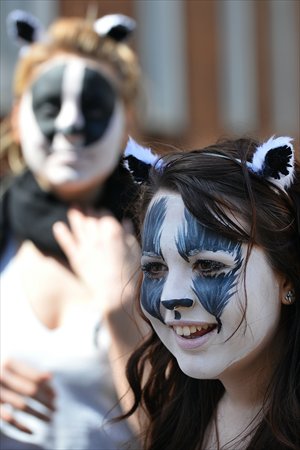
<point>29,212</point>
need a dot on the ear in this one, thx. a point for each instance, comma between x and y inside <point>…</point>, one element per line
<point>287,292</point>
<point>274,160</point>
<point>117,26</point>
<point>23,28</point>
<point>139,160</point>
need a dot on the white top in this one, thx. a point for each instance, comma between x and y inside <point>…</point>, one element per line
<point>76,355</point>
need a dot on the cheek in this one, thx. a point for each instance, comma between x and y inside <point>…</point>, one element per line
<point>263,295</point>
<point>45,123</point>
<point>215,293</point>
<point>151,295</point>
<point>263,307</point>
<point>29,123</point>
<point>33,142</point>
<point>95,129</point>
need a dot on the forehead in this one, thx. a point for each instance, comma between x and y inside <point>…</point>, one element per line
<point>50,74</point>
<point>165,209</point>
<point>168,223</point>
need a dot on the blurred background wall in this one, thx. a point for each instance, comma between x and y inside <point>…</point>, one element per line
<point>213,68</point>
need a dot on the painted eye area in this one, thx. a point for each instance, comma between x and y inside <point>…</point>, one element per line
<point>154,270</point>
<point>208,267</point>
<point>48,108</point>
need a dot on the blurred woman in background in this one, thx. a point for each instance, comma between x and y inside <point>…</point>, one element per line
<point>63,343</point>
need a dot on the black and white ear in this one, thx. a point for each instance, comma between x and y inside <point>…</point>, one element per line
<point>117,26</point>
<point>274,160</point>
<point>139,160</point>
<point>24,28</point>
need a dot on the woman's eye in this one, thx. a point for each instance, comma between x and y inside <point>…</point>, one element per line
<point>154,270</point>
<point>49,110</point>
<point>208,267</point>
<point>94,111</point>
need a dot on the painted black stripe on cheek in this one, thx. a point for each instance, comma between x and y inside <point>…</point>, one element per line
<point>152,288</point>
<point>214,292</point>
<point>47,98</point>
<point>98,100</point>
<point>151,293</point>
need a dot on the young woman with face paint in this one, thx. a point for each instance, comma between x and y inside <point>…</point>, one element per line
<point>220,239</point>
<point>75,92</point>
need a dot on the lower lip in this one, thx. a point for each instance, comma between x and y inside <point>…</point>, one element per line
<point>190,344</point>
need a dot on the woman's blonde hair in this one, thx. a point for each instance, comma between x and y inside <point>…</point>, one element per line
<point>76,36</point>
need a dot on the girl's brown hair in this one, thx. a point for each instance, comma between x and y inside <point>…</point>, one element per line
<point>214,189</point>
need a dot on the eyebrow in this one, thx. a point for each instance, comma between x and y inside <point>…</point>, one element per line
<point>152,254</point>
<point>193,238</point>
<point>152,229</point>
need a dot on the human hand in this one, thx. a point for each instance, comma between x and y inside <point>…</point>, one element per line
<point>19,381</point>
<point>102,254</point>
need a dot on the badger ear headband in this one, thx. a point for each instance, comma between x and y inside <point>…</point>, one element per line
<point>25,29</point>
<point>273,160</point>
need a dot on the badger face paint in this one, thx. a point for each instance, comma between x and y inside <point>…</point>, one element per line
<point>193,292</point>
<point>71,123</point>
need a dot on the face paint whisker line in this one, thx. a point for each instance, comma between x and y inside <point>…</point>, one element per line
<point>151,236</point>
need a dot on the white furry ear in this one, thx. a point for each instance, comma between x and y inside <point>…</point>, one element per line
<point>139,160</point>
<point>143,154</point>
<point>274,160</point>
<point>116,26</point>
<point>24,28</point>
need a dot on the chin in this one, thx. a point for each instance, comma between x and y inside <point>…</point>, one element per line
<point>199,371</point>
<point>74,183</point>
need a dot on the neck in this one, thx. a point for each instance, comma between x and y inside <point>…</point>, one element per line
<point>245,389</point>
<point>247,385</point>
<point>82,196</point>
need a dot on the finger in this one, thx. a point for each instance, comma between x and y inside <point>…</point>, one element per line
<point>86,228</point>
<point>110,228</point>
<point>128,226</point>
<point>77,222</point>
<point>40,390</point>
<point>65,239</point>
<point>26,370</point>
<point>19,403</point>
<point>98,214</point>
<point>134,248</point>
<point>8,417</point>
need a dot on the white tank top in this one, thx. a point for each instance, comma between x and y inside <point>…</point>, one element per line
<point>76,355</point>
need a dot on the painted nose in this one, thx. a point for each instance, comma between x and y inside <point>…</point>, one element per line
<point>70,120</point>
<point>177,303</point>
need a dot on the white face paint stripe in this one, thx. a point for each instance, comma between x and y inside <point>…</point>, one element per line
<point>71,113</point>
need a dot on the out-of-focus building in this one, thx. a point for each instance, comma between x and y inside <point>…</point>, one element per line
<point>213,68</point>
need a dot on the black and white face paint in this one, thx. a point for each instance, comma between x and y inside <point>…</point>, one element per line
<point>71,122</point>
<point>214,259</point>
<point>193,292</point>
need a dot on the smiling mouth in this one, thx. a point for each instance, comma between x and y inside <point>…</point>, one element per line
<point>194,331</point>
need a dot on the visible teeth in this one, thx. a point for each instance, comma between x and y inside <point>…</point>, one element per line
<point>188,330</point>
<point>179,331</point>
